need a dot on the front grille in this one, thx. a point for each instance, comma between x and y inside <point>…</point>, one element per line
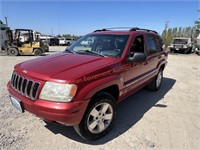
<point>25,86</point>
<point>178,46</point>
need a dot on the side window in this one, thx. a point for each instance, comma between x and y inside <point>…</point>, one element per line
<point>151,49</point>
<point>159,43</point>
<point>138,44</point>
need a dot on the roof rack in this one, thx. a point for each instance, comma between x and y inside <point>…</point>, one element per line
<point>130,29</point>
<point>114,28</point>
<point>140,29</point>
<point>99,30</point>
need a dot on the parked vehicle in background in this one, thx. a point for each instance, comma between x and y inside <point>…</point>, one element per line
<point>62,41</point>
<point>181,44</point>
<point>69,41</point>
<point>66,41</point>
<point>197,46</point>
<point>81,86</point>
<point>52,41</point>
<point>22,42</point>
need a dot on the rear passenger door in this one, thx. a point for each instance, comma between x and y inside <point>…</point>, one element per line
<point>153,51</point>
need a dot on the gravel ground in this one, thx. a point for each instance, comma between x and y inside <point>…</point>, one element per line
<point>167,119</point>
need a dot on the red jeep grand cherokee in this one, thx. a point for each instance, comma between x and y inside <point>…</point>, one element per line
<point>81,86</point>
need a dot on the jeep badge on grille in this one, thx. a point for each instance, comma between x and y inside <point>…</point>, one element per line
<point>25,72</point>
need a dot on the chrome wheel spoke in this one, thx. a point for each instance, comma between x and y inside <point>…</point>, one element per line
<point>105,108</point>
<point>108,116</point>
<point>94,113</point>
<point>101,126</point>
<point>93,125</point>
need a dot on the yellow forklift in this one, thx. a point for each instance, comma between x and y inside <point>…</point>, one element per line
<point>24,42</point>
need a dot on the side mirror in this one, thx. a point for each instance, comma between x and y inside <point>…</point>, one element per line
<point>137,57</point>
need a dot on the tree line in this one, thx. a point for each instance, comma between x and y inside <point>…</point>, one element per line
<point>168,34</point>
<point>69,36</point>
<point>190,32</point>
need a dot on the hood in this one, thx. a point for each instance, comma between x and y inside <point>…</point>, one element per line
<point>62,66</point>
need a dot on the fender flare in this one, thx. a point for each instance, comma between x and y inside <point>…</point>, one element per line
<point>94,87</point>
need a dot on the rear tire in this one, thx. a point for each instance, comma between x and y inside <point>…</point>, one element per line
<point>37,52</point>
<point>12,52</point>
<point>99,117</point>
<point>156,83</point>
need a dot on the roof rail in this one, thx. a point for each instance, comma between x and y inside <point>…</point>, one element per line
<point>140,29</point>
<point>130,29</point>
<point>114,28</point>
<point>99,30</point>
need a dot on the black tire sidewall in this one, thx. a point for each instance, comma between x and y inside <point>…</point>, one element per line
<point>153,85</point>
<point>37,52</point>
<point>14,50</point>
<point>158,87</point>
<point>84,131</point>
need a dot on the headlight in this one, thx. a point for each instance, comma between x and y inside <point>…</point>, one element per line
<point>58,92</point>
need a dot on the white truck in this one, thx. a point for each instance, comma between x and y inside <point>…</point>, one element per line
<point>66,41</point>
<point>181,44</point>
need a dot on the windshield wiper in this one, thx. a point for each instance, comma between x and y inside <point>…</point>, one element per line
<point>92,52</point>
<point>67,50</point>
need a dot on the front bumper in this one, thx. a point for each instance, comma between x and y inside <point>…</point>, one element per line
<point>69,113</point>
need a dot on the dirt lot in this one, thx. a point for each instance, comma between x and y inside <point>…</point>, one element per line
<point>167,119</point>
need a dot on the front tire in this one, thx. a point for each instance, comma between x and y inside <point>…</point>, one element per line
<point>99,117</point>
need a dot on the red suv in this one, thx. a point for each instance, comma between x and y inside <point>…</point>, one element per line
<point>81,86</point>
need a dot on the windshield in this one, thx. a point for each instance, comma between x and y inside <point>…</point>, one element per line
<point>180,41</point>
<point>107,45</point>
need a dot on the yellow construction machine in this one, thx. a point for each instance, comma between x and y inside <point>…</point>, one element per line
<point>24,42</point>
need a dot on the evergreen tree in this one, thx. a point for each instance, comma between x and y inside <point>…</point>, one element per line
<point>169,37</point>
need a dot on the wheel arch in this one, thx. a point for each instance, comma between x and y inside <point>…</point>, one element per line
<point>110,85</point>
<point>162,66</point>
<point>113,90</point>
